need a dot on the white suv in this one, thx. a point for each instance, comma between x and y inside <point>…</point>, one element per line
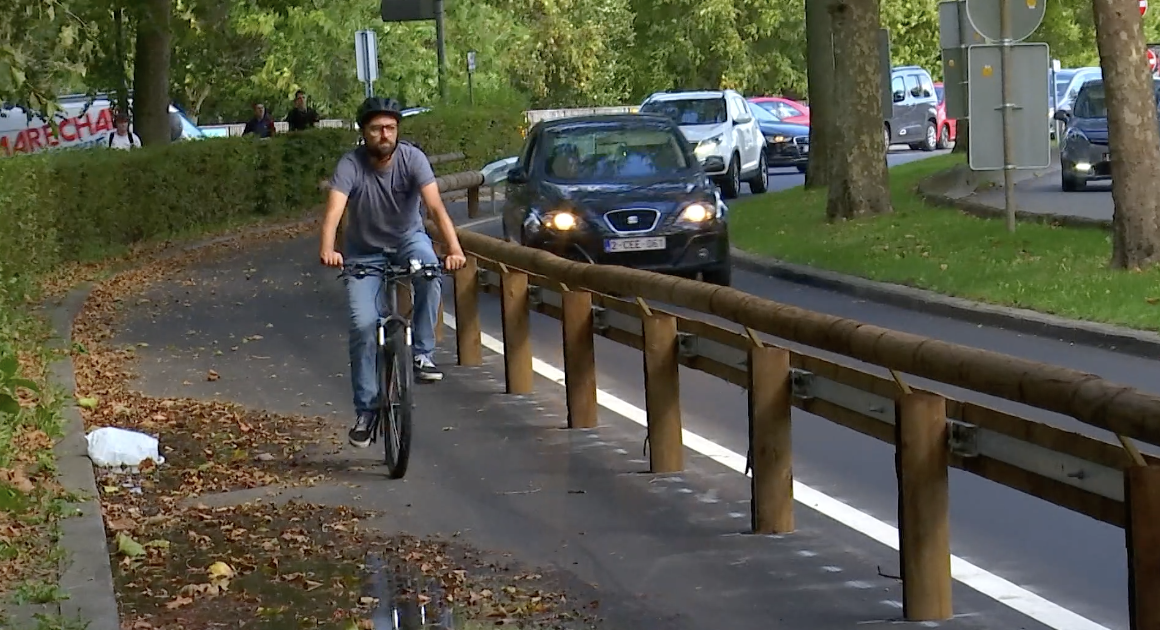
<point>727,137</point>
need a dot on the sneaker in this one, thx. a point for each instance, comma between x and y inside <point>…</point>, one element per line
<point>360,433</point>
<point>425,369</point>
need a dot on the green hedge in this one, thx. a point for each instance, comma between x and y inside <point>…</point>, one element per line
<point>70,205</point>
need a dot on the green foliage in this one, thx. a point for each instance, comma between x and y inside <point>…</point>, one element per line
<point>482,134</point>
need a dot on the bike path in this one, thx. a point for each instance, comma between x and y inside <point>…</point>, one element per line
<point>501,472</point>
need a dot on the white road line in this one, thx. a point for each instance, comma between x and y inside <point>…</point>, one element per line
<point>478,222</point>
<point>1001,590</point>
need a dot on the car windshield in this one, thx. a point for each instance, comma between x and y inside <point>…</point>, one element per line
<point>763,114</point>
<point>938,92</point>
<point>613,153</point>
<point>1092,102</point>
<point>692,111</point>
<point>780,109</point>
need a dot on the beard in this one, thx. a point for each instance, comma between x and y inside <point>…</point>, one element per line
<point>381,150</point>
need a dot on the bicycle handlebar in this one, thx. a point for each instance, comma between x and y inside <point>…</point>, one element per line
<point>392,272</point>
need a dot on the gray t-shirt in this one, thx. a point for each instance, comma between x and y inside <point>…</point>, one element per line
<point>383,205</point>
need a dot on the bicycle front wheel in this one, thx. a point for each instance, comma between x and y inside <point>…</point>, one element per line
<point>396,425</point>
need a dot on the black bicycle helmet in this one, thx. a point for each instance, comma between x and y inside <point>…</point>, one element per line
<point>376,105</point>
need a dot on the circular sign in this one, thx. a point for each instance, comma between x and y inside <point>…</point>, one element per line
<point>1151,60</point>
<point>984,16</point>
<point>1143,7</point>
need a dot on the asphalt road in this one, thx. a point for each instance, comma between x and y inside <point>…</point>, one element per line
<point>782,178</point>
<point>652,552</point>
<point>1067,558</point>
<point>1044,195</point>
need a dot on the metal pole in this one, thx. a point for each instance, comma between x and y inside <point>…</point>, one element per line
<point>965,33</point>
<point>1008,139</point>
<point>470,90</point>
<point>441,47</point>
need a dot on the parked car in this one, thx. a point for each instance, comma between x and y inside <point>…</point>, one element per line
<point>1079,78</point>
<point>82,122</point>
<point>785,144</point>
<point>947,127</point>
<point>1084,155</point>
<point>719,123</point>
<point>619,189</point>
<point>914,119</point>
<point>786,110</point>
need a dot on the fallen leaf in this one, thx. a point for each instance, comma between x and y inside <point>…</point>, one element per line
<point>128,547</point>
<point>179,602</point>
<point>212,376</point>
<point>87,403</point>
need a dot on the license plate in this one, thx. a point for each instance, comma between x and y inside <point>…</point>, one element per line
<point>1107,157</point>
<point>647,243</point>
<point>805,148</point>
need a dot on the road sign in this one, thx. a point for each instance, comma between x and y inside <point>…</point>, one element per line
<point>1151,60</point>
<point>1032,139</point>
<point>471,61</point>
<point>1143,7</point>
<point>366,59</point>
<point>407,10</point>
<point>1026,16</point>
<point>954,82</point>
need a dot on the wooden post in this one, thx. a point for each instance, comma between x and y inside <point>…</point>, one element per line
<point>1142,507</point>
<point>922,456</point>
<point>517,339</point>
<point>473,202</point>
<point>662,393</point>
<point>468,345</point>
<point>771,439</point>
<point>579,359</point>
<point>439,322</point>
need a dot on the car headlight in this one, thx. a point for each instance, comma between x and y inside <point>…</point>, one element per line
<point>708,146</point>
<point>697,213</point>
<point>776,138</point>
<point>562,221</point>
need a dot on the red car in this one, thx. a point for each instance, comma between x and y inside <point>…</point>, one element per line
<point>784,109</point>
<point>946,126</point>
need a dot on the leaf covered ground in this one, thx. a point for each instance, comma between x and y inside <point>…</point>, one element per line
<point>179,563</point>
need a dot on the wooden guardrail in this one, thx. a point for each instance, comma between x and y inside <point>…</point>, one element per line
<point>931,432</point>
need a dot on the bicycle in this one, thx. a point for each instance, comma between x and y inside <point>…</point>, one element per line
<point>395,362</point>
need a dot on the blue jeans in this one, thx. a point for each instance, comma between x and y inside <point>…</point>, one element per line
<point>364,314</point>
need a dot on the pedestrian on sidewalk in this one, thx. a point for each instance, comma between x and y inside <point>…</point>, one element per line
<point>381,183</point>
<point>261,124</point>
<point>122,137</point>
<point>301,117</point>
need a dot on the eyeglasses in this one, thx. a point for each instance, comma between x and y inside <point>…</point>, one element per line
<point>378,129</point>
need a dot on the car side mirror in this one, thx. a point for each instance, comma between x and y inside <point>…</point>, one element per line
<point>743,120</point>
<point>714,163</point>
<point>899,96</point>
<point>516,175</point>
<point>1062,115</point>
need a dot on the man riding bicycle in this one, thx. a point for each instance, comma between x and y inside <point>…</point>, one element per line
<point>381,183</point>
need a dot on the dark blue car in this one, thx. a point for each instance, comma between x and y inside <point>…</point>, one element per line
<point>1084,155</point>
<point>618,190</point>
<point>786,144</point>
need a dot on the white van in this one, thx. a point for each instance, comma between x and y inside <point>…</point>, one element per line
<point>81,124</point>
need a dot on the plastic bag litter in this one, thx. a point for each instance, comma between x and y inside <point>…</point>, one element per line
<point>110,447</point>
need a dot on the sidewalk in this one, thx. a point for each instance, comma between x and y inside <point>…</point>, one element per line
<point>500,473</point>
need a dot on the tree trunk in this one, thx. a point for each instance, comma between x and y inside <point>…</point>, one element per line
<point>860,184</point>
<point>1132,134</point>
<point>962,136</point>
<point>119,53</point>
<point>820,72</point>
<point>151,72</point>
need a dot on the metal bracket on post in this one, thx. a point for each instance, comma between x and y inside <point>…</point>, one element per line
<point>963,438</point>
<point>801,383</point>
<point>600,319</point>
<point>535,295</point>
<point>481,277</point>
<point>687,345</point>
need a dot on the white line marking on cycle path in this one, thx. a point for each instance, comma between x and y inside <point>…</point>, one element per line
<point>1000,589</point>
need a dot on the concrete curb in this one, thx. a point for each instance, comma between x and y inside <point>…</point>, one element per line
<point>85,572</point>
<point>1125,340</point>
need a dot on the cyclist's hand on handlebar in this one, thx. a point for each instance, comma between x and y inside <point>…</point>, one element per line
<point>455,261</point>
<point>331,258</point>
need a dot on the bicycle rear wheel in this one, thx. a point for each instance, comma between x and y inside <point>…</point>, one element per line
<point>396,396</point>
